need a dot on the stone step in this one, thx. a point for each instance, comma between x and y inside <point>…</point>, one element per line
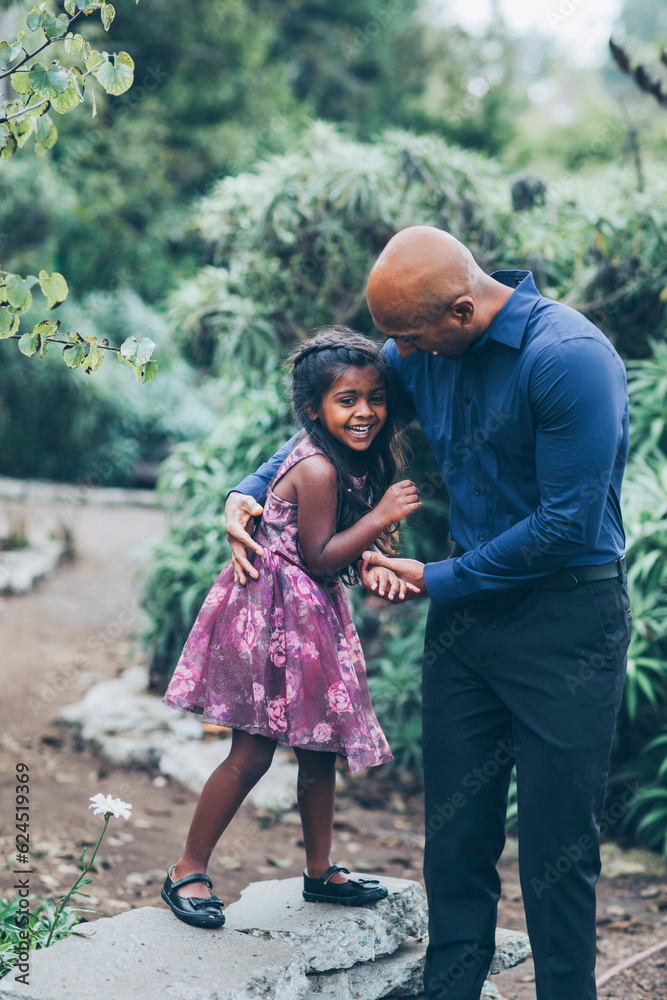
<point>329,935</point>
<point>402,973</point>
<point>274,944</point>
<point>147,954</point>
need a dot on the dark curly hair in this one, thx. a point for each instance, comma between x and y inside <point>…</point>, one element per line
<point>315,366</point>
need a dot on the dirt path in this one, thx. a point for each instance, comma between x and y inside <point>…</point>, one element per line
<point>76,629</point>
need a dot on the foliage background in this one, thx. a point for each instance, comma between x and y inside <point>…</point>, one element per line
<point>236,197</point>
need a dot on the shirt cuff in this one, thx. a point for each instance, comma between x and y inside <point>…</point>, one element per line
<point>441,582</point>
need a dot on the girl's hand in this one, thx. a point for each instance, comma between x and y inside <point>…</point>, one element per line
<point>410,571</point>
<point>240,512</point>
<point>400,500</point>
<point>385,582</point>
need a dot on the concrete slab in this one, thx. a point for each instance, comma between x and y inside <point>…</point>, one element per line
<point>148,954</point>
<point>331,936</point>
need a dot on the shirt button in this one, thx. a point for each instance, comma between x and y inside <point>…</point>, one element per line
<point>481,536</point>
<point>466,400</point>
<point>470,446</point>
<point>477,491</point>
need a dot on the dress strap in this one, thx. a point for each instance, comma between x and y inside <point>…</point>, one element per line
<point>304,449</point>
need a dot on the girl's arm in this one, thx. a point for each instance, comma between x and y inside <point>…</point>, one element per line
<point>325,551</point>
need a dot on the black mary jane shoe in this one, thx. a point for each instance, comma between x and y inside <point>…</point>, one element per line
<point>204,912</point>
<point>354,892</point>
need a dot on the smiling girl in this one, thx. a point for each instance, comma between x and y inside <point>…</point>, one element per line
<point>278,658</point>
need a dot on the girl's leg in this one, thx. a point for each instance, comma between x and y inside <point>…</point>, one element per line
<point>249,758</point>
<point>316,794</point>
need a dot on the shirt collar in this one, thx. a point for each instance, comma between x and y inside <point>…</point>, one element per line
<point>509,325</point>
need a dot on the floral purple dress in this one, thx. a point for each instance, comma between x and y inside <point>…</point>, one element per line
<point>280,657</point>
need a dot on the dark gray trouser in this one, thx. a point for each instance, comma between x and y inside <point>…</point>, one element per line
<point>534,676</point>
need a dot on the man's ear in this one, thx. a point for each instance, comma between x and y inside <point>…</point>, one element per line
<point>464,309</point>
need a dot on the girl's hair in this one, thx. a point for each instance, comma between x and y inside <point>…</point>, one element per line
<point>316,365</point>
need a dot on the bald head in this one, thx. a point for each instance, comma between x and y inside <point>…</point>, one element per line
<point>427,283</point>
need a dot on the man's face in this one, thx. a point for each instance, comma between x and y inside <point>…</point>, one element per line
<point>446,335</point>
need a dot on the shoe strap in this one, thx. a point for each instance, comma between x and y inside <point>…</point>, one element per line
<point>205,901</point>
<point>189,879</point>
<point>324,878</point>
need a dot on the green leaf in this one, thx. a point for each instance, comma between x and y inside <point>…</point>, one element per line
<point>8,53</point>
<point>36,17</point>
<point>137,353</point>
<point>74,356</point>
<point>108,12</point>
<point>49,81</point>
<point>7,143</point>
<point>95,356</point>
<point>46,134</point>
<point>17,291</point>
<point>21,83</point>
<point>94,58</point>
<point>54,287</point>
<point>82,856</point>
<point>67,100</point>
<point>70,7</point>
<point>22,130</point>
<point>116,77</point>
<point>29,343</point>
<point>33,110</point>
<point>149,371</point>
<point>73,43</point>
<point>9,324</point>
<point>55,27</point>
<point>45,329</point>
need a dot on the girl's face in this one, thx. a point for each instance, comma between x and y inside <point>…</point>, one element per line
<point>354,409</point>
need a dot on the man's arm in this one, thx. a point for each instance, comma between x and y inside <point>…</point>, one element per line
<point>579,395</point>
<point>257,483</point>
<point>243,506</point>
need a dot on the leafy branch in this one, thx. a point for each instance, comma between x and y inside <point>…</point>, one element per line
<point>78,352</point>
<point>39,89</point>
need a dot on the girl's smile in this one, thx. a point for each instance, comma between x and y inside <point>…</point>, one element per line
<point>354,409</point>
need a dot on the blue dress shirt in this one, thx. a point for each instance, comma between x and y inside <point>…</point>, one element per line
<point>530,432</point>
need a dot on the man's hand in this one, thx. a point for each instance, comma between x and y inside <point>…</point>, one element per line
<point>409,571</point>
<point>240,511</point>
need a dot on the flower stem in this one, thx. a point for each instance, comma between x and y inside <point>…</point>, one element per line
<point>62,902</point>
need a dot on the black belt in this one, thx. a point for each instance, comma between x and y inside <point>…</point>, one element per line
<point>569,578</point>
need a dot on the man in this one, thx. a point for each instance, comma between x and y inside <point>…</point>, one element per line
<point>524,404</point>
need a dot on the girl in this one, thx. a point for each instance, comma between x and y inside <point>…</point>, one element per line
<point>279,660</point>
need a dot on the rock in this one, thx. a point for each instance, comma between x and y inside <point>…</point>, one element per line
<point>397,975</point>
<point>489,992</point>
<point>147,954</point>
<point>36,491</point>
<point>126,724</point>
<point>191,764</point>
<point>129,726</point>
<point>331,936</point>
<point>512,948</point>
<point>21,569</point>
<point>402,973</point>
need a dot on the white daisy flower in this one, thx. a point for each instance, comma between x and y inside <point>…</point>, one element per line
<point>106,804</point>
